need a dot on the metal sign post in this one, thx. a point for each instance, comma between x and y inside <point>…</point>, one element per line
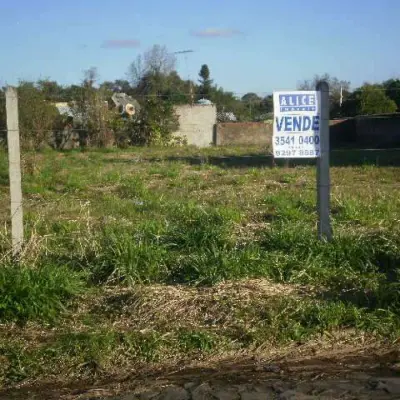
<point>14,160</point>
<point>323,176</point>
<point>301,130</point>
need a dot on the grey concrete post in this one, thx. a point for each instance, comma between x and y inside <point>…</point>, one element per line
<point>14,159</point>
<point>323,176</point>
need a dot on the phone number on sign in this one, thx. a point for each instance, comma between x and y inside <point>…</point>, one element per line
<point>296,140</point>
<point>297,153</point>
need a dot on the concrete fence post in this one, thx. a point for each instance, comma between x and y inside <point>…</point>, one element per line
<point>14,160</point>
<point>323,175</point>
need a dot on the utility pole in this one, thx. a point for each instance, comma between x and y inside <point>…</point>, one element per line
<point>185,54</point>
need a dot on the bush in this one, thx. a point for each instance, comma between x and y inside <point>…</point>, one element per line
<point>37,117</point>
<point>155,123</point>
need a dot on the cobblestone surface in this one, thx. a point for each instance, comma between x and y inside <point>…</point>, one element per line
<point>360,387</point>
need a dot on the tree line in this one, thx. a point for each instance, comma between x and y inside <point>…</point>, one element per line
<point>369,99</point>
<point>153,81</point>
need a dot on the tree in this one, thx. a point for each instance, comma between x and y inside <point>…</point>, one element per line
<point>373,100</point>
<point>158,60</point>
<point>267,104</point>
<point>73,92</point>
<point>119,85</point>
<point>252,104</point>
<point>90,77</point>
<point>91,113</point>
<point>337,88</point>
<point>37,116</point>
<point>251,98</point>
<point>259,109</point>
<point>176,90</point>
<point>368,100</point>
<point>123,85</point>
<point>51,90</point>
<point>205,81</point>
<point>392,87</point>
<point>155,61</point>
<point>149,73</point>
<point>155,124</point>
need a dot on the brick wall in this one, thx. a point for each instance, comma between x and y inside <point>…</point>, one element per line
<point>243,133</point>
<point>378,131</point>
<point>375,131</point>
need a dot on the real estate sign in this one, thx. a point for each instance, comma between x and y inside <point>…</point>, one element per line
<point>297,117</point>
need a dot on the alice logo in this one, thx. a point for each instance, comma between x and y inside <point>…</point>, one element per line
<point>297,100</point>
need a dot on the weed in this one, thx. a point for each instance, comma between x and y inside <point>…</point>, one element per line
<point>36,294</point>
<point>192,340</point>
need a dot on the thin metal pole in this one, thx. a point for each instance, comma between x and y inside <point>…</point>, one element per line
<point>323,176</point>
<point>14,159</point>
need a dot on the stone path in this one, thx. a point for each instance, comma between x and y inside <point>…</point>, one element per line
<point>361,386</point>
<point>347,373</point>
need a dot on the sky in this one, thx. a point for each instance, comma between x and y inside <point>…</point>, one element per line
<point>249,45</point>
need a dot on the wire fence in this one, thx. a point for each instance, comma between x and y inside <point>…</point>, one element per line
<point>231,106</point>
<point>91,125</point>
<point>48,191</point>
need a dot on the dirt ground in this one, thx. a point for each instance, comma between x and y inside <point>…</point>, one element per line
<point>363,372</point>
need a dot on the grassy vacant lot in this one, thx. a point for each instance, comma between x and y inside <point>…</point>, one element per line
<point>149,257</point>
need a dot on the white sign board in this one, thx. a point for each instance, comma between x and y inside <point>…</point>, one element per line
<point>297,117</point>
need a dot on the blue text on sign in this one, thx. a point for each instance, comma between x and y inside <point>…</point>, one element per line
<point>297,123</point>
<point>297,102</point>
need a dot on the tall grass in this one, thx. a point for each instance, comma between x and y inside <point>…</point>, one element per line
<point>36,293</point>
<point>108,225</point>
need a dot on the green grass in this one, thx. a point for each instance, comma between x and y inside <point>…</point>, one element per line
<point>132,258</point>
<point>36,293</point>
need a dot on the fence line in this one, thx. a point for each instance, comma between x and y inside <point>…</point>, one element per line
<point>262,95</point>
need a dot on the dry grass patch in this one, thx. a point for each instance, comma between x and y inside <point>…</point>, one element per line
<point>154,307</point>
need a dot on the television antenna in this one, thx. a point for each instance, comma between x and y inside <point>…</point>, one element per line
<point>185,55</point>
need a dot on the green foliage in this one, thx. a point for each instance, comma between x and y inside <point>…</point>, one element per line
<point>177,90</point>
<point>373,100</point>
<point>204,89</point>
<point>286,320</point>
<point>257,108</point>
<point>51,90</point>
<point>392,87</point>
<point>159,241</point>
<point>91,113</point>
<point>153,73</point>
<point>36,294</point>
<point>129,259</point>
<point>37,116</point>
<point>368,100</point>
<point>155,124</point>
<point>169,87</point>
<point>202,341</point>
